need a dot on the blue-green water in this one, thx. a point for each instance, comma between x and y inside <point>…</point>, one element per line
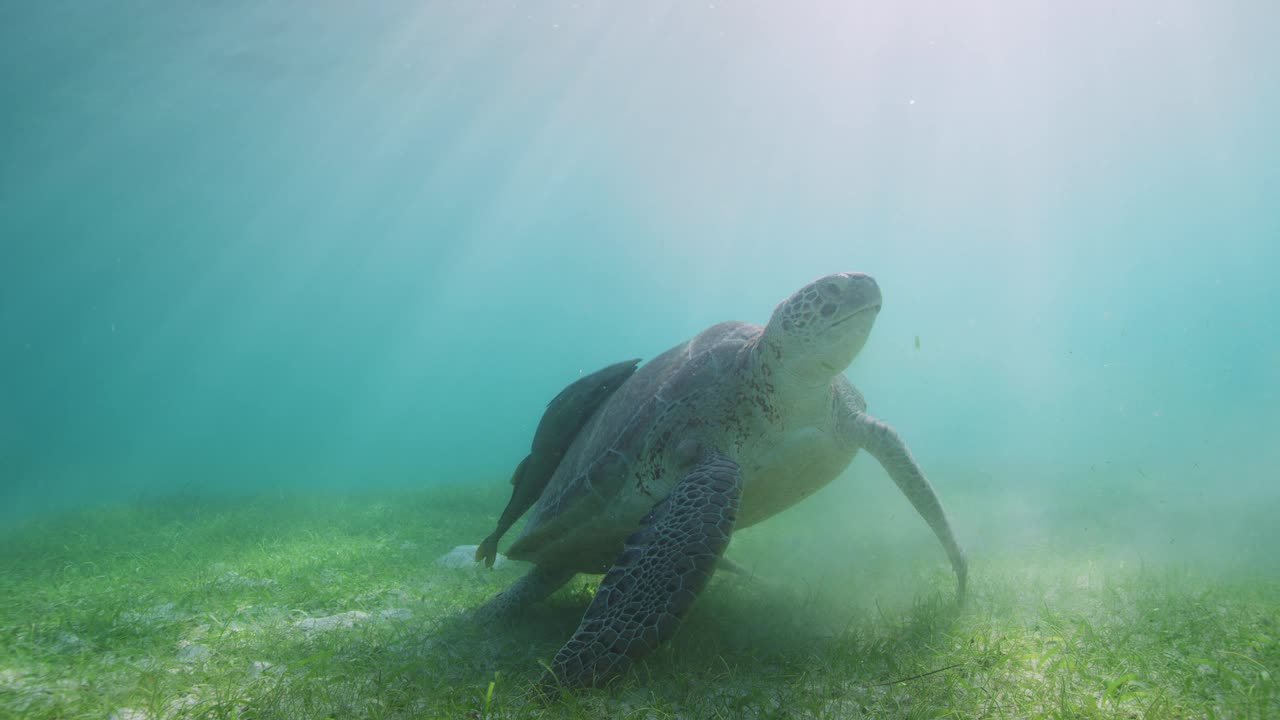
<point>249,246</point>
<point>285,288</point>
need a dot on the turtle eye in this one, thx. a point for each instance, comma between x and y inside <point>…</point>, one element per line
<point>828,309</point>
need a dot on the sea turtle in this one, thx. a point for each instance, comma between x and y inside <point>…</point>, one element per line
<point>715,434</point>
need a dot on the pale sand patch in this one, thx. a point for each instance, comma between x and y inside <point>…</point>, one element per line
<point>464,557</point>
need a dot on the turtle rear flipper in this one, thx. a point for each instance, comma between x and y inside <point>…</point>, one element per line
<point>570,409</point>
<point>564,417</point>
<point>534,587</point>
<point>523,495</point>
<point>655,579</point>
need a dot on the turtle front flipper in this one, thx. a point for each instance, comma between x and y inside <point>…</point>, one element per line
<point>655,579</point>
<point>885,445</point>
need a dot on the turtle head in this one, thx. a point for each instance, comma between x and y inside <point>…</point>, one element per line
<point>814,334</point>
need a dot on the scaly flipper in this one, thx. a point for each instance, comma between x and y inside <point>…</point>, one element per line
<point>565,415</point>
<point>887,448</point>
<point>523,495</point>
<point>655,579</point>
<point>534,587</point>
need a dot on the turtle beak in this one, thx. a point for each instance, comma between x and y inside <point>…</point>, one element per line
<point>872,309</point>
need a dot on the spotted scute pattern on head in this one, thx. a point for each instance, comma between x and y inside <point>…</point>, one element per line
<point>654,581</point>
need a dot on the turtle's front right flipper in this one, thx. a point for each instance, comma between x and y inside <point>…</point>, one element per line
<point>564,417</point>
<point>655,579</point>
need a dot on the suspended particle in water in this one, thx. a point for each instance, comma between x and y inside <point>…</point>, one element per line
<point>917,342</point>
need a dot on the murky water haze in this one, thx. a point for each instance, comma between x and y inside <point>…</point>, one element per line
<point>282,246</point>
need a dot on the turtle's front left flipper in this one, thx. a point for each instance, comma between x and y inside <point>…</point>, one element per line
<point>655,579</point>
<point>891,452</point>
